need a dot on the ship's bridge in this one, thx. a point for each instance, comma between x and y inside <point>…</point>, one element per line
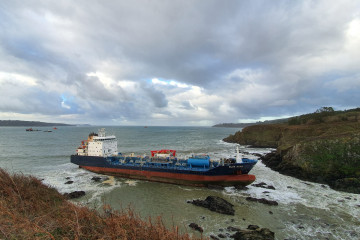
<point>102,145</point>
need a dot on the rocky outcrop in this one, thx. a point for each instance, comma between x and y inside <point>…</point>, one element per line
<point>75,194</point>
<point>333,160</point>
<point>263,201</point>
<point>215,204</point>
<point>263,185</point>
<point>254,232</point>
<point>196,227</point>
<point>324,153</point>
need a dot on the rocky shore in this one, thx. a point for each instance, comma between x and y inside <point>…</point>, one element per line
<point>220,205</point>
<point>215,204</point>
<point>325,152</point>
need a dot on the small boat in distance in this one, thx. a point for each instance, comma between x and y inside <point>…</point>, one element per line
<point>99,154</point>
<point>32,130</point>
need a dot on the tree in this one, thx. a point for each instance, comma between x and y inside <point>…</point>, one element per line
<point>325,109</point>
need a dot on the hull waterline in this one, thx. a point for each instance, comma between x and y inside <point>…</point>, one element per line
<point>176,178</point>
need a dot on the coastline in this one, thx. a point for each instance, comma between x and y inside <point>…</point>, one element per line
<point>323,153</point>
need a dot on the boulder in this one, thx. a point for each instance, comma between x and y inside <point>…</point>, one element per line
<point>196,227</point>
<point>214,237</point>
<point>263,185</point>
<point>69,182</point>
<point>233,229</point>
<point>263,200</point>
<point>96,179</point>
<point>215,204</point>
<point>254,232</point>
<point>75,194</point>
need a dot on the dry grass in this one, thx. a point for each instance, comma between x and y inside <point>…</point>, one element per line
<point>31,210</point>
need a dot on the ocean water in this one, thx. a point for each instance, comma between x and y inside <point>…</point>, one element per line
<point>306,210</point>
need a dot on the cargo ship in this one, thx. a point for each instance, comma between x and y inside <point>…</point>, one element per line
<point>99,154</point>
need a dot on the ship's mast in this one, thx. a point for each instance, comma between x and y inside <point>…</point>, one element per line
<point>238,156</point>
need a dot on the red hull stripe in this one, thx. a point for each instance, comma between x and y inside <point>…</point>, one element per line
<point>177,178</point>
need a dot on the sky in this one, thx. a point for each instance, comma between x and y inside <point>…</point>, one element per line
<point>176,63</point>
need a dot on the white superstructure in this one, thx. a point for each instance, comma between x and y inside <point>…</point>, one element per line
<point>99,145</point>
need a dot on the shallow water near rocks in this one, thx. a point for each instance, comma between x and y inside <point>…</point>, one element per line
<point>306,210</point>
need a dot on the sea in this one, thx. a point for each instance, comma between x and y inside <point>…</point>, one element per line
<point>306,210</point>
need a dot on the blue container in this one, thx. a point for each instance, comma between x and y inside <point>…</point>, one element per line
<point>199,161</point>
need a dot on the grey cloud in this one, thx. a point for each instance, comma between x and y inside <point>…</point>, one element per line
<point>292,43</point>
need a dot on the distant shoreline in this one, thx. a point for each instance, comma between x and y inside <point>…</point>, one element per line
<point>20,123</point>
<point>243,125</point>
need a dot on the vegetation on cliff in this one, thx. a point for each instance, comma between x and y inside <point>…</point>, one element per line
<point>31,210</point>
<point>323,146</point>
<point>242,125</point>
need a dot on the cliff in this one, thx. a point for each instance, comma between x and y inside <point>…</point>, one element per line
<point>326,151</point>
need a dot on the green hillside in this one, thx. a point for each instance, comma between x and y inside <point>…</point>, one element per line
<point>323,146</point>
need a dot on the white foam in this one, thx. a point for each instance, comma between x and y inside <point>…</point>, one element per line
<point>289,190</point>
<point>57,177</point>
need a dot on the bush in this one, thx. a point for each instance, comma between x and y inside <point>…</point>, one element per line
<point>31,210</point>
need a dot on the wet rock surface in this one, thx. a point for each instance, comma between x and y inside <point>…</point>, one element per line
<point>196,227</point>
<point>214,237</point>
<point>254,232</point>
<point>263,185</point>
<point>75,194</point>
<point>263,200</point>
<point>96,179</point>
<point>215,204</point>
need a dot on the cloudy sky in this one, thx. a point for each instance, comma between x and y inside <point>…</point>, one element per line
<point>176,62</point>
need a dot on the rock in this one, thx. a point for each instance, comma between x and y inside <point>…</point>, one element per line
<point>254,232</point>
<point>253,227</point>
<point>271,212</point>
<point>67,178</point>
<point>196,227</point>
<point>215,204</point>
<point>75,194</point>
<point>222,235</point>
<point>263,200</point>
<point>289,187</point>
<point>240,187</point>
<point>347,185</point>
<point>96,179</point>
<point>69,182</point>
<point>214,237</point>
<point>257,155</point>
<point>233,229</point>
<point>263,185</point>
